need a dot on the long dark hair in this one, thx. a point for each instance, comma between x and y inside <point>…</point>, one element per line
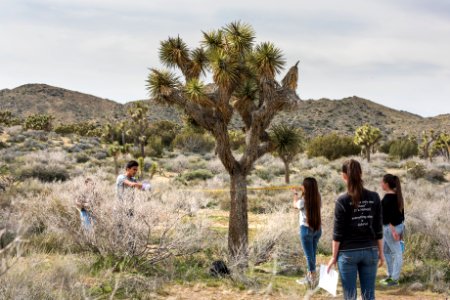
<point>312,203</point>
<point>394,184</point>
<point>354,182</point>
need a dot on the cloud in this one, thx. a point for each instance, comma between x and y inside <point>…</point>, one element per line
<point>393,51</point>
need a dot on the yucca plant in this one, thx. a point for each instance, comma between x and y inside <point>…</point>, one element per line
<point>244,81</point>
<point>289,141</point>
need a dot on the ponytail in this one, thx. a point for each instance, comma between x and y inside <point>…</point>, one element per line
<point>353,170</point>
<point>394,184</point>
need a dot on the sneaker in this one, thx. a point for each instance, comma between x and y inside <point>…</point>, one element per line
<point>390,282</point>
<point>303,281</point>
<point>384,280</point>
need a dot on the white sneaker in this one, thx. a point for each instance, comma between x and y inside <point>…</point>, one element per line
<point>303,281</point>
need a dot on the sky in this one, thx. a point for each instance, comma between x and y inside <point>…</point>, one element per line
<point>393,52</point>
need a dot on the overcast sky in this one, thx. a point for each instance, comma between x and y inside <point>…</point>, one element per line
<point>394,52</point>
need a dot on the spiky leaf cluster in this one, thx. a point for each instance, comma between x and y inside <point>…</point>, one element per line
<point>236,64</point>
<point>288,140</point>
<point>367,135</point>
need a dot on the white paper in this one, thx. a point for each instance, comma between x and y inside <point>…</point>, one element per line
<point>146,186</point>
<point>328,281</point>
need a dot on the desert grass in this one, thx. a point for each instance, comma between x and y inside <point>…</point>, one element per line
<point>155,242</point>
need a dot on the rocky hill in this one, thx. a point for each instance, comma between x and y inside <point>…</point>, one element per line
<point>64,105</point>
<point>314,116</point>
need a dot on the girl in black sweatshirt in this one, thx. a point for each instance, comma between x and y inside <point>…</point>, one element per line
<point>357,234</point>
<point>393,217</point>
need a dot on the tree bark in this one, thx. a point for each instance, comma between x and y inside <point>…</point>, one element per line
<point>116,165</point>
<point>286,172</point>
<point>368,153</point>
<point>142,150</point>
<point>238,223</point>
<point>122,135</point>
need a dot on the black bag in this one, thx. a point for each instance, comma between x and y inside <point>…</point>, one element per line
<point>219,269</point>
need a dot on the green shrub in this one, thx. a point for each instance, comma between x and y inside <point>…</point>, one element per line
<point>415,170</point>
<point>81,158</point>
<point>8,119</point>
<point>39,122</point>
<point>45,173</point>
<point>156,146</point>
<point>65,129</point>
<point>385,147</point>
<point>264,174</point>
<point>81,128</point>
<point>237,139</point>
<point>403,148</point>
<point>166,131</point>
<point>19,138</point>
<point>197,174</point>
<point>435,175</point>
<point>194,142</point>
<point>332,146</point>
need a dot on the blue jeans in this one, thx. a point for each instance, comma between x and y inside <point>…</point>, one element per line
<point>86,220</point>
<point>363,262</point>
<point>393,251</point>
<point>309,240</point>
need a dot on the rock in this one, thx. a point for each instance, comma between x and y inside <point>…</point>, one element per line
<point>416,286</point>
<point>250,292</point>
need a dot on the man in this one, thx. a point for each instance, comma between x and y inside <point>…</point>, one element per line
<point>126,183</point>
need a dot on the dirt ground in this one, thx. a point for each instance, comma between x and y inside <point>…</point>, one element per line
<point>203,292</point>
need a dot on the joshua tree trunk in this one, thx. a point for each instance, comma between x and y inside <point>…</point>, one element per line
<point>122,134</point>
<point>368,148</point>
<point>116,165</point>
<point>238,223</point>
<point>142,149</point>
<point>287,171</point>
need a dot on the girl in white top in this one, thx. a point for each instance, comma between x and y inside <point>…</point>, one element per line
<point>309,205</point>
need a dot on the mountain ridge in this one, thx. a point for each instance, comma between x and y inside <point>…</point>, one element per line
<point>314,116</point>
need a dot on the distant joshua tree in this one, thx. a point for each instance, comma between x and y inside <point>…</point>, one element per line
<point>244,82</point>
<point>367,137</point>
<point>288,142</point>
<point>426,146</point>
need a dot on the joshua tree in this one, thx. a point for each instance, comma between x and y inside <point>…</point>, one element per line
<point>115,150</point>
<point>442,145</point>
<point>39,122</point>
<point>140,126</point>
<point>426,149</point>
<point>243,82</point>
<point>288,142</point>
<point>367,137</point>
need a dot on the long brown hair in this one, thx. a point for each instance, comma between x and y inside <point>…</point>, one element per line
<point>394,184</point>
<point>352,169</point>
<point>312,203</point>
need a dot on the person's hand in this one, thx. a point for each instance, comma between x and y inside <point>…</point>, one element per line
<point>395,235</point>
<point>380,259</point>
<point>331,263</point>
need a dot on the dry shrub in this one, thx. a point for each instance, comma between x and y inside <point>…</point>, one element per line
<point>427,220</point>
<point>279,238</point>
<point>148,226</point>
<point>40,279</point>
